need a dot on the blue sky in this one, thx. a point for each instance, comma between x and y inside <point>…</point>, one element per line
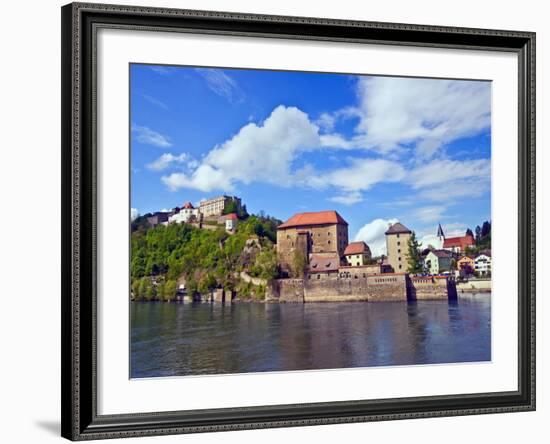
<point>376,149</point>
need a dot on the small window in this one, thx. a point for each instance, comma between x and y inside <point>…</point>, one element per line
<point>399,251</point>
<point>399,259</point>
<point>329,241</point>
<point>318,276</point>
<point>400,266</point>
<point>398,242</point>
<point>398,235</point>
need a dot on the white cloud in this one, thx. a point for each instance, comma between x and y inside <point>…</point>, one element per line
<point>147,136</point>
<point>154,101</point>
<point>426,112</point>
<point>429,214</point>
<point>221,84</point>
<point>441,171</point>
<point>373,234</point>
<point>134,213</point>
<point>166,160</point>
<point>361,175</point>
<point>445,180</point>
<point>326,121</point>
<point>204,178</point>
<point>163,70</point>
<point>350,198</point>
<point>262,153</point>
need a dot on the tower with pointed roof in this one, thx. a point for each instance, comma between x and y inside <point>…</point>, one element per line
<point>440,235</point>
<point>397,245</point>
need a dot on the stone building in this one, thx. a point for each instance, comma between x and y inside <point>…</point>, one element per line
<point>217,205</point>
<point>184,213</point>
<point>157,218</point>
<point>357,254</point>
<point>319,232</point>
<point>397,244</point>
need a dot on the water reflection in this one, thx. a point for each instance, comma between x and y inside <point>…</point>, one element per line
<point>184,339</point>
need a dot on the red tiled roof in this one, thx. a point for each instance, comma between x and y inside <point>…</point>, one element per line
<point>188,205</point>
<point>316,218</point>
<point>320,263</point>
<point>462,242</point>
<point>231,216</point>
<point>356,248</point>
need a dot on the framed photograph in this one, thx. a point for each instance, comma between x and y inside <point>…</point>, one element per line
<point>281,221</point>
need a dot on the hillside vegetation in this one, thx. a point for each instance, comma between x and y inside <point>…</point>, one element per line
<point>206,259</point>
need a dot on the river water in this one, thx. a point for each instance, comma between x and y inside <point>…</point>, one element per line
<point>177,339</point>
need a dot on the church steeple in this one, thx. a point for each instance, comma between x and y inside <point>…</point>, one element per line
<point>440,234</point>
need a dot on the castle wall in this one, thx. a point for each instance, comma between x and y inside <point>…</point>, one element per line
<point>432,288</point>
<point>285,290</point>
<point>335,287</point>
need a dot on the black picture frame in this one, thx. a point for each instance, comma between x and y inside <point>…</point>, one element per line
<point>80,22</point>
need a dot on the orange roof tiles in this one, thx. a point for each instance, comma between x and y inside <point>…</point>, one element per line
<point>462,242</point>
<point>313,218</point>
<point>356,248</point>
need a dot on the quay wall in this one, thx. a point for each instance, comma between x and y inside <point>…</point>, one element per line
<point>335,287</point>
<point>432,288</point>
<point>474,286</point>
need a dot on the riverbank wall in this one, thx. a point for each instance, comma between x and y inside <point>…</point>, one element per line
<point>474,286</point>
<point>346,287</point>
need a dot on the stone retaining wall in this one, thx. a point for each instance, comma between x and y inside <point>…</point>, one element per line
<point>431,288</point>
<point>334,287</point>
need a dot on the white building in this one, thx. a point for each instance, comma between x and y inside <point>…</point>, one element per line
<point>438,261</point>
<point>231,222</point>
<point>184,214</point>
<point>483,264</point>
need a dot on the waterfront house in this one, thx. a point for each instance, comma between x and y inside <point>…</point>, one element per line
<point>465,266</point>
<point>312,232</point>
<point>357,253</point>
<point>483,264</point>
<point>438,261</point>
<point>397,244</point>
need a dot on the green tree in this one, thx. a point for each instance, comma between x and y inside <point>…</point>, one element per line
<point>135,288</point>
<point>299,264</point>
<point>149,290</point>
<point>161,290</point>
<point>414,260</point>
<point>231,207</point>
<point>170,290</point>
<point>265,265</point>
<point>142,289</point>
<point>478,235</point>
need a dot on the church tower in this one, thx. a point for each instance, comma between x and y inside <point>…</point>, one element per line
<point>440,235</point>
